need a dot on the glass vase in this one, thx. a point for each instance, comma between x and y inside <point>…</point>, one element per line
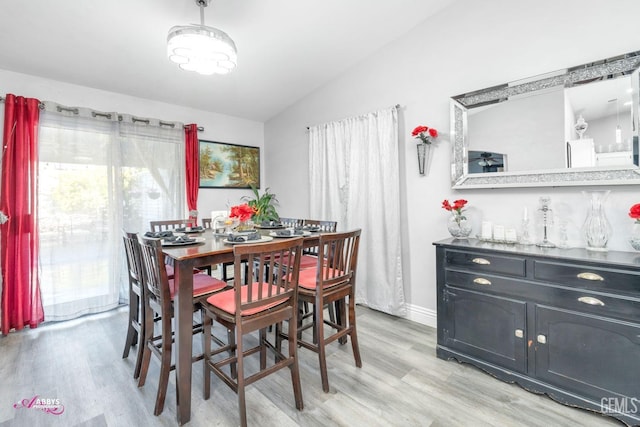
<point>459,226</point>
<point>634,238</point>
<point>596,228</point>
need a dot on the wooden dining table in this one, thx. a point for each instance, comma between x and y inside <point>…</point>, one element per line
<point>213,250</point>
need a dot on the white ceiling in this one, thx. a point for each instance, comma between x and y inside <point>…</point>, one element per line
<point>286,48</point>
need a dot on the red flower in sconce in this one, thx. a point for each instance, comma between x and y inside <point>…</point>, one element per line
<point>426,134</point>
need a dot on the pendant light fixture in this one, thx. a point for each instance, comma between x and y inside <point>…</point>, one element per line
<point>205,50</point>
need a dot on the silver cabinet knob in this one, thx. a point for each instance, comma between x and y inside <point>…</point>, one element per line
<point>519,333</point>
<point>542,339</point>
<point>481,281</point>
<point>481,261</point>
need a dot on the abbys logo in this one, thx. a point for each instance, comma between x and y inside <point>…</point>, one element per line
<point>49,406</point>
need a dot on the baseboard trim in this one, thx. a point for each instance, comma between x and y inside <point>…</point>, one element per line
<point>421,315</point>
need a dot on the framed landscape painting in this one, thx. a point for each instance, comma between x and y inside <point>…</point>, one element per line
<point>225,165</point>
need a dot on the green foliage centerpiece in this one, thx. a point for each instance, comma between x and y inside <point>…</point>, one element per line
<point>263,206</point>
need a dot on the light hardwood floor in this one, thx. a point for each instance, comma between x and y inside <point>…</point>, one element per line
<point>401,383</point>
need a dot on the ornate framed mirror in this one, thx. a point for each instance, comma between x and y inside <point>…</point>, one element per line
<point>572,127</point>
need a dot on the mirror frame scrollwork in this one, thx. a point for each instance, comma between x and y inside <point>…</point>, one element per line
<point>461,179</point>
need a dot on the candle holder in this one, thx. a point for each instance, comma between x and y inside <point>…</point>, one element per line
<point>546,216</point>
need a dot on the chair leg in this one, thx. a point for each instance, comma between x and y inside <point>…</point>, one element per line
<point>354,334</point>
<point>240,381</point>
<point>165,366</point>
<point>262,336</point>
<point>141,339</point>
<point>318,319</point>
<point>139,354</point>
<point>295,371</point>
<point>206,345</point>
<point>132,334</point>
<point>341,317</point>
<point>146,342</point>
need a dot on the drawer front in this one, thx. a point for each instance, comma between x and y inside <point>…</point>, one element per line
<point>488,283</point>
<point>594,303</point>
<point>588,277</point>
<point>584,300</point>
<point>483,262</point>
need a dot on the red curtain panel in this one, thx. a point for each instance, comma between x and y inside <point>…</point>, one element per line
<point>192,170</point>
<point>21,299</point>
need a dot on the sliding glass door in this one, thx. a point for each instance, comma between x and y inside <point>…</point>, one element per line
<point>98,176</point>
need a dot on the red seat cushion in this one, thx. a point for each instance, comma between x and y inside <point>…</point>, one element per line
<point>202,284</point>
<point>307,278</point>
<point>306,261</point>
<point>226,300</point>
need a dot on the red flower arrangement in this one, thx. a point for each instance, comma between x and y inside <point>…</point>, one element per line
<point>243,212</point>
<point>456,208</point>
<point>634,212</point>
<point>425,134</point>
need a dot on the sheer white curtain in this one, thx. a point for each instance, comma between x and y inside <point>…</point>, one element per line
<point>354,179</point>
<point>100,173</point>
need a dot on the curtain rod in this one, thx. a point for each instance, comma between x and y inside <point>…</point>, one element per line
<point>395,106</point>
<point>75,110</point>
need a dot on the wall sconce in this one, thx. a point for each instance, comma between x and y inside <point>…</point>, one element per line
<point>423,155</point>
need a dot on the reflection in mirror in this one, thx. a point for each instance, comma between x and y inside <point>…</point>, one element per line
<point>483,162</point>
<point>570,127</point>
<point>603,109</point>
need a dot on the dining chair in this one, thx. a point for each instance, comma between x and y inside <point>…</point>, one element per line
<point>258,300</point>
<point>333,280</point>
<point>158,294</point>
<point>135,323</point>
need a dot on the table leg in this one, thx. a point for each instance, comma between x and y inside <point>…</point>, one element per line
<point>183,304</point>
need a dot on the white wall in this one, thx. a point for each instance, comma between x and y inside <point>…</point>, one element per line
<point>217,127</point>
<point>468,46</point>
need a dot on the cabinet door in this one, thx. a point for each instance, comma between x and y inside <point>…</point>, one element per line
<point>487,327</point>
<point>594,356</point>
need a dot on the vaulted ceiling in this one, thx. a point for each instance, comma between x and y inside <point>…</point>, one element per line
<point>286,48</point>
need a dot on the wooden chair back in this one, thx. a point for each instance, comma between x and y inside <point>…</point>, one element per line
<point>206,223</point>
<point>170,224</point>
<point>291,222</point>
<point>157,292</point>
<point>337,259</point>
<point>266,284</point>
<point>134,260</point>
<point>325,226</point>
